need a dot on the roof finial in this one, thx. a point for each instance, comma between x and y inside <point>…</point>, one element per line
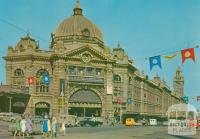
<point>28,34</point>
<point>118,44</point>
<point>78,4</point>
<point>77,9</point>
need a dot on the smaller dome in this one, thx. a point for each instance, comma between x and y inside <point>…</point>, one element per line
<point>26,42</point>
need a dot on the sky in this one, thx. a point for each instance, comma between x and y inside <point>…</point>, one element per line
<point>144,28</point>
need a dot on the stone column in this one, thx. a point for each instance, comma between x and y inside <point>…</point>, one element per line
<point>142,97</point>
<point>107,105</point>
<point>8,74</point>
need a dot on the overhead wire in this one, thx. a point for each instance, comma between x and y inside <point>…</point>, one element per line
<point>22,29</point>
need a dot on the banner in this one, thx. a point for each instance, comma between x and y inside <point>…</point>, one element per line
<point>188,54</point>
<point>155,61</point>
<point>170,57</point>
<point>31,80</point>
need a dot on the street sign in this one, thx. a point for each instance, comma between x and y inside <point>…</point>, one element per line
<point>129,101</point>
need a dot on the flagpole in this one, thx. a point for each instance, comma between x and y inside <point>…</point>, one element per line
<point>62,93</point>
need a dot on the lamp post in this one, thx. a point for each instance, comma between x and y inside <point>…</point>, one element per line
<point>52,88</point>
<point>10,104</point>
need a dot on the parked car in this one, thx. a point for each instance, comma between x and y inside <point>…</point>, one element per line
<point>142,123</point>
<point>130,122</point>
<point>90,121</point>
<point>165,123</point>
<point>153,122</point>
<point>2,114</point>
<point>10,117</point>
<point>70,120</point>
<point>195,123</point>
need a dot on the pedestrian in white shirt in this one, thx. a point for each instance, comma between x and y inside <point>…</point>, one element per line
<point>23,126</point>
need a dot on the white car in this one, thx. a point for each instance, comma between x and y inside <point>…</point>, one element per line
<point>153,122</point>
<point>10,117</point>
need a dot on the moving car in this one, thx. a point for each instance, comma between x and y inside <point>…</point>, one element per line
<point>153,122</point>
<point>130,122</point>
<point>70,120</point>
<point>90,121</point>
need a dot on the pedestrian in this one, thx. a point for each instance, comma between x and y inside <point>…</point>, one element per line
<point>23,126</point>
<point>63,129</point>
<point>49,127</point>
<point>54,127</point>
<point>29,125</point>
<point>17,127</point>
<point>45,126</point>
<point>41,127</point>
<point>113,121</point>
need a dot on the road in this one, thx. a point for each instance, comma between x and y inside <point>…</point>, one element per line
<point>107,132</point>
<point>4,134</point>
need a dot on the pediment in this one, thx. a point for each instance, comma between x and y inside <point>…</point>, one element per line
<point>87,53</point>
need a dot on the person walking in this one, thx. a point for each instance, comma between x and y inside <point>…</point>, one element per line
<point>49,127</point>
<point>23,126</point>
<point>54,127</point>
<point>29,125</point>
<point>45,126</point>
<point>63,129</point>
<point>17,127</point>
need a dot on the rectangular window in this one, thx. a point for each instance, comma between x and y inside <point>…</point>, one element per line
<point>71,70</point>
<point>98,71</point>
<point>89,71</point>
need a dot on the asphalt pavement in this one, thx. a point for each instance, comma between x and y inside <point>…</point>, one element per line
<point>107,132</point>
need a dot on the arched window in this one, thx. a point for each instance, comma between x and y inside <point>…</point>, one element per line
<point>86,32</point>
<point>116,78</point>
<point>41,87</point>
<point>18,78</point>
<point>18,73</point>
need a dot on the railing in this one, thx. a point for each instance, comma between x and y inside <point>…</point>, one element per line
<point>86,79</point>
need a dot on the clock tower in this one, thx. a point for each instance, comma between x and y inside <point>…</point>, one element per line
<point>178,83</point>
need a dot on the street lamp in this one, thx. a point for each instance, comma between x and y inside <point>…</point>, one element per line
<point>10,104</point>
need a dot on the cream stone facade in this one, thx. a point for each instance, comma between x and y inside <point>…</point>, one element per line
<point>86,77</point>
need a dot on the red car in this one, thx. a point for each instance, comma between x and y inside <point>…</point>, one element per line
<point>195,124</point>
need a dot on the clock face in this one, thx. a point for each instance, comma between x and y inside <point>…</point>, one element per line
<point>86,57</point>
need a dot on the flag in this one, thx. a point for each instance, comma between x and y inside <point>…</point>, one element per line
<point>155,60</point>
<point>129,100</point>
<point>188,54</point>
<point>30,80</point>
<point>186,99</point>
<point>119,101</point>
<point>169,57</point>
<point>198,98</point>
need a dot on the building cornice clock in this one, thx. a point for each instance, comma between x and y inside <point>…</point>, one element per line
<point>86,57</point>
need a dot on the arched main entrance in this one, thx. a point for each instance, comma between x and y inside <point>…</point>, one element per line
<point>85,103</point>
<point>41,108</point>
